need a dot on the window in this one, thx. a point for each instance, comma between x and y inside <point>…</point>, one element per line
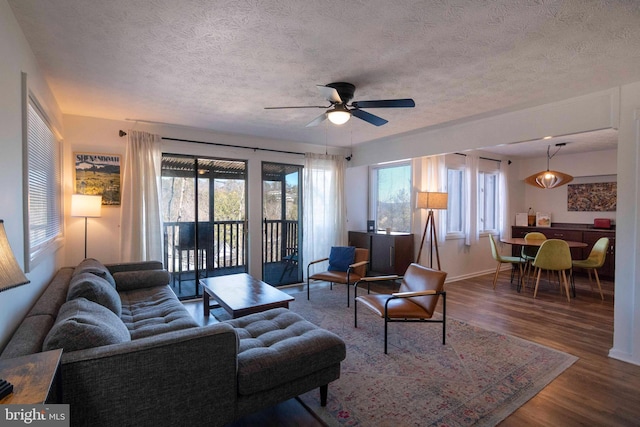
<point>487,202</point>
<point>43,186</point>
<point>456,208</point>
<point>391,196</point>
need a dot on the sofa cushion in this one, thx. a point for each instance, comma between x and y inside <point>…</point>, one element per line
<point>152,311</point>
<point>130,280</point>
<point>278,346</point>
<point>93,266</point>
<point>84,324</point>
<point>96,289</point>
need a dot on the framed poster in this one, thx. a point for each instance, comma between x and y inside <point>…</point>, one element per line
<point>521,219</point>
<point>98,174</point>
<point>543,219</point>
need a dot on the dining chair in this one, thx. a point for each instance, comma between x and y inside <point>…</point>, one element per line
<point>415,301</point>
<point>595,260</point>
<point>528,253</point>
<point>553,255</point>
<point>502,259</point>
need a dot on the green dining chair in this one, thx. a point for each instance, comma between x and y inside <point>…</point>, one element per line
<point>528,253</point>
<point>553,255</point>
<point>595,260</point>
<point>501,259</point>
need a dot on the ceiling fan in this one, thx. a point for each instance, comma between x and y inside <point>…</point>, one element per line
<point>340,111</point>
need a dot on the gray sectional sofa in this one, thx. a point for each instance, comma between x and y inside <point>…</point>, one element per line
<point>133,355</point>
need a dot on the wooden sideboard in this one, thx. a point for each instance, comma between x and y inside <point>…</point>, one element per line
<point>578,233</point>
<point>388,253</point>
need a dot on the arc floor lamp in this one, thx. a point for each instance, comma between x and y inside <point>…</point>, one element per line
<point>431,201</point>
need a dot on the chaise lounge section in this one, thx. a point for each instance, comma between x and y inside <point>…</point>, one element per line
<point>133,355</point>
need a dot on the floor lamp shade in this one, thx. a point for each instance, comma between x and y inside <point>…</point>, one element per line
<point>10,273</point>
<point>431,201</point>
<point>87,206</point>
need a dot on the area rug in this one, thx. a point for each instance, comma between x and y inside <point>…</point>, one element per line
<point>478,378</point>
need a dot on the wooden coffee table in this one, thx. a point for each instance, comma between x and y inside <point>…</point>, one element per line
<point>241,294</point>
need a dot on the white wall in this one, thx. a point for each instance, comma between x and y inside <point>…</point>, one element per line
<point>94,135</point>
<point>626,337</point>
<point>591,167</point>
<point>17,57</point>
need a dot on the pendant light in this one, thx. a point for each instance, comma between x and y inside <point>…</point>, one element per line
<point>549,178</point>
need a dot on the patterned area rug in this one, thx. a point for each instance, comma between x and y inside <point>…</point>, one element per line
<point>478,378</point>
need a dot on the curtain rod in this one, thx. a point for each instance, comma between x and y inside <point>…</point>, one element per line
<point>483,158</point>
<point>219,144</point>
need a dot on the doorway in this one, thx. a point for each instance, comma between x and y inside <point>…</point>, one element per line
<point>215,244</point>
<point>281,226</point>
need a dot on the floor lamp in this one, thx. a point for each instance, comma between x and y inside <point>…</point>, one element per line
<point>84,205</point>
<point>10,276</point>
<point>431,201</point>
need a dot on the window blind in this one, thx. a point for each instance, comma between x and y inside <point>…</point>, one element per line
<point>44,182</point>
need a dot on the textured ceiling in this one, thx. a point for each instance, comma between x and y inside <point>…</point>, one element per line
<point>216,64</point>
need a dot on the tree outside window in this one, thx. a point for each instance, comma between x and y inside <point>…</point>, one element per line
<point>392,197</point>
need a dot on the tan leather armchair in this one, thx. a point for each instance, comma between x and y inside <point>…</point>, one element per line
<point>415,301</point>
<point>355,271</point>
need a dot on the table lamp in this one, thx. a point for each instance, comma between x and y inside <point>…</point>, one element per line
<point>10,276</point>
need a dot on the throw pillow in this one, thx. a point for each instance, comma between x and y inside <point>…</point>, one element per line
<point>96,289</point>
<point>93,266</point>
<point>341,257</point>
<point>84,324</point>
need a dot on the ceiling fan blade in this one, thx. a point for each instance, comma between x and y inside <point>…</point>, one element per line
<point>368,117</point>
<point>301,106</point>
<point>385,103</point>
<point>317,120</point>
<point>330,94</point>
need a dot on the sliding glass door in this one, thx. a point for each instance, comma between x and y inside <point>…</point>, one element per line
<point>282,236</point>
<point>213,191</point>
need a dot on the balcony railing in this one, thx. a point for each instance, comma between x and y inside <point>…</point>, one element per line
<point>280,239</point>
<point>221,246</point>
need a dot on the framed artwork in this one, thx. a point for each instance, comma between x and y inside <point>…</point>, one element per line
<point>543,219</point>
<point>521,219</point>
<point>596,197</point>
<point>98,174</point>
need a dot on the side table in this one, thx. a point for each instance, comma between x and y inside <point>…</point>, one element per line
<point>32,377</point>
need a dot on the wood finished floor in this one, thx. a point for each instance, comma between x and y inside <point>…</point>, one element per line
<point>595,391</point>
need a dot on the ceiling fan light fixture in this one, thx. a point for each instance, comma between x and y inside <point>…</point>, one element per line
<point>339,115</point>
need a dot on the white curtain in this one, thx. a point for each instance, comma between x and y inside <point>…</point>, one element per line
<point>436,180</point>
<point>471,200</point>
<point>141,229</point>
<point>324,217</point>
<point>430,174</point>
<point>503,194</point>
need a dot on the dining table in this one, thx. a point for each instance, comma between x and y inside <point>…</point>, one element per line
<point>521,241</point>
